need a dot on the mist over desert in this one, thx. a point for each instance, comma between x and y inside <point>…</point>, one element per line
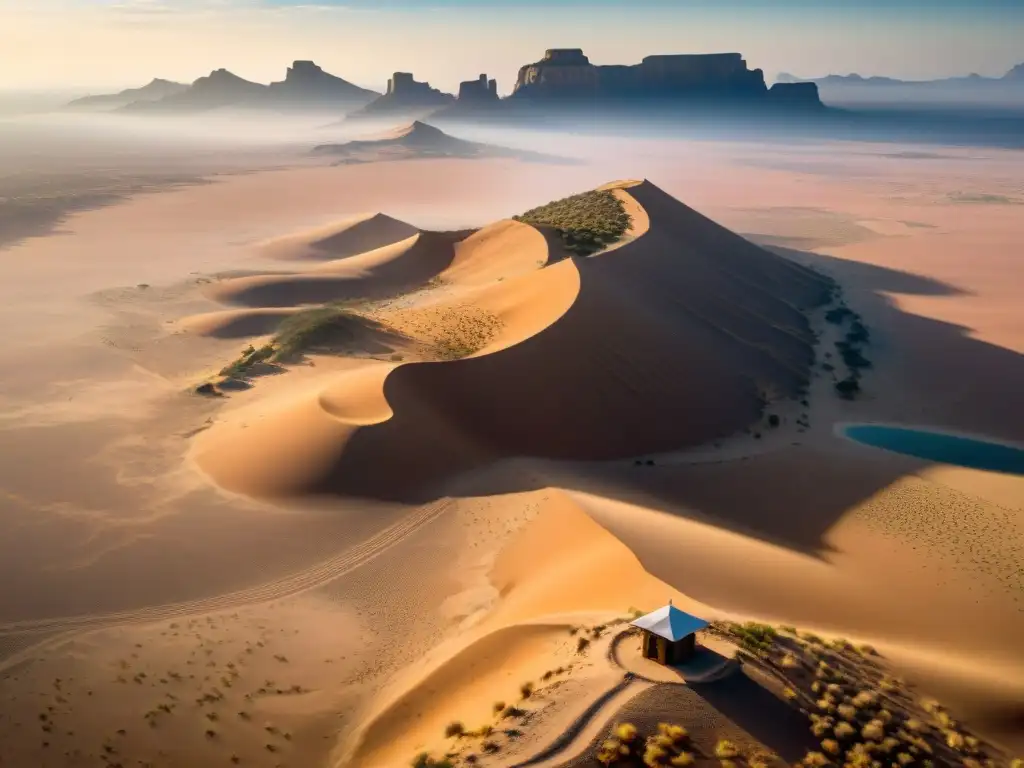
<point>307,462</point>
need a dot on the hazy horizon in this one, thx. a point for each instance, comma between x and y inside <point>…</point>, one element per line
<point>108,45</point>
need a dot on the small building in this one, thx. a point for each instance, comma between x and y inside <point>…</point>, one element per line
<point>669,634</point>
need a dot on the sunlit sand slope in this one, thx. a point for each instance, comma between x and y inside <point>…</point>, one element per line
<point>384,271</point>
<point>340,241</point>
<point>671,340</point>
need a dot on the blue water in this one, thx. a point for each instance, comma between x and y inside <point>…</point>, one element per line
<point>940,447</point>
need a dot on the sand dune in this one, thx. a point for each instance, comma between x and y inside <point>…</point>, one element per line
<point>542,594</point>
<point>420,141</point>
<point>671,340</point>
<point>378,273</point>
<point>236,323</point>
<point>340,241</point>
<point>825,535</point>
<point>500,250</point>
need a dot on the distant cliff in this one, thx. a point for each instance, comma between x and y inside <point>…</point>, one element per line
<point>1012,77</point>
<point>566,75</point>
<point>155,90</point>
<point>220,88</point>
<point>307,86</point>
<point>405,97</point>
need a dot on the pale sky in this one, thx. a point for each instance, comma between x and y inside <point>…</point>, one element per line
<point>111,44</point>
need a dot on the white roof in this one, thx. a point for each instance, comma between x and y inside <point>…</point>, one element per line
<point>669,622</point>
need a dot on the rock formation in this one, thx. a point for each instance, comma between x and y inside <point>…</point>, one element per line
<point>307,85</point>
<point>218,89</point>
<point>420,140</point>
<point>566,75</point>
<point>155,90</point>
<point>480,91</point>
<point>1016,74</point>
<point>407,97</point>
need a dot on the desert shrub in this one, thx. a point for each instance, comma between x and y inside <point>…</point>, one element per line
<point>424,760</point>
<point>831,746</point>
<point>454,729</point>
<point>864,699</point>
<point>526,690</point>
<point>315,327</point>
<point>512,711</point>
<point>249,357</point>
<point>725,750</point>
<point>587,222</point>
<point>497,707</point>
<point>845,731</point>
<point>815,760</point>
<point>874,731</point>
<point>858,333</point>
<point>682,759</point>
<point>653,755</point>
<point>852,356</point>
<point>837,315</point>
<point>676,733</point>
<point>773,420</point>
<point>847,711</point>
<point>582,644</point>
<point>626,732</point>
<point>954,740</point>
<point>847,388</point>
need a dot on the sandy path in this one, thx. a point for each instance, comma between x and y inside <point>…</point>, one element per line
<point>297,583</point>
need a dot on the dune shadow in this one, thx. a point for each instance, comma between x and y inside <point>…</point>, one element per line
<point>435,455</point>
<point>756,710</point>
<point>874,278</point>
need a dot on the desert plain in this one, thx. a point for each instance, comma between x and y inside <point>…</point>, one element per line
<point>329,560</point>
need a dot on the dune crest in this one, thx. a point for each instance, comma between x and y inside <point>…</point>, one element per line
<point>339,241</point>
<point>385,271</point>
<point>672,339</point>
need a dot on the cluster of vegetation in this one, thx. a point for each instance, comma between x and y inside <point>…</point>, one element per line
<point>670,745</point>
<point>862,716</point>
<point>587,222</point>
<point>751,635</point>
<point>486,737</point>
<point>328,326</point>
<point>850,349</point>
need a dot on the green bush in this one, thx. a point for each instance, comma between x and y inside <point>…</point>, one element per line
<point>587,222</point>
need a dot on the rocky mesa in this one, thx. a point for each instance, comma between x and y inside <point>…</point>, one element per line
<point>566,74</point>
<point>406,97</point>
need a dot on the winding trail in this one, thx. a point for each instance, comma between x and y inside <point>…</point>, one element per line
<point>599,714</point>
<point>585,728</point>
<point>288,586</point>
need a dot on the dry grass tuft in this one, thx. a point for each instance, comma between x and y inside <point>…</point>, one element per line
<point>725,749</point>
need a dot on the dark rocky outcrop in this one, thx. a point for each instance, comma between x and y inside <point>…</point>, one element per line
<point>307,86</point>
<point>795,94</point>
<point>479,91</point>
<point>405,96</point>
<point>155,90</point>
<point>566,74</point>
<point>477,99</point>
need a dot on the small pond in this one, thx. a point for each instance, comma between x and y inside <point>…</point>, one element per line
<point>940,447</point>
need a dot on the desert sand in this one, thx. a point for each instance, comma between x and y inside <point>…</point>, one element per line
<point>347,553</point>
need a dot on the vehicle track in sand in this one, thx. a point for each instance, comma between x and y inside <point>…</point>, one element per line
<point>13,634</point>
